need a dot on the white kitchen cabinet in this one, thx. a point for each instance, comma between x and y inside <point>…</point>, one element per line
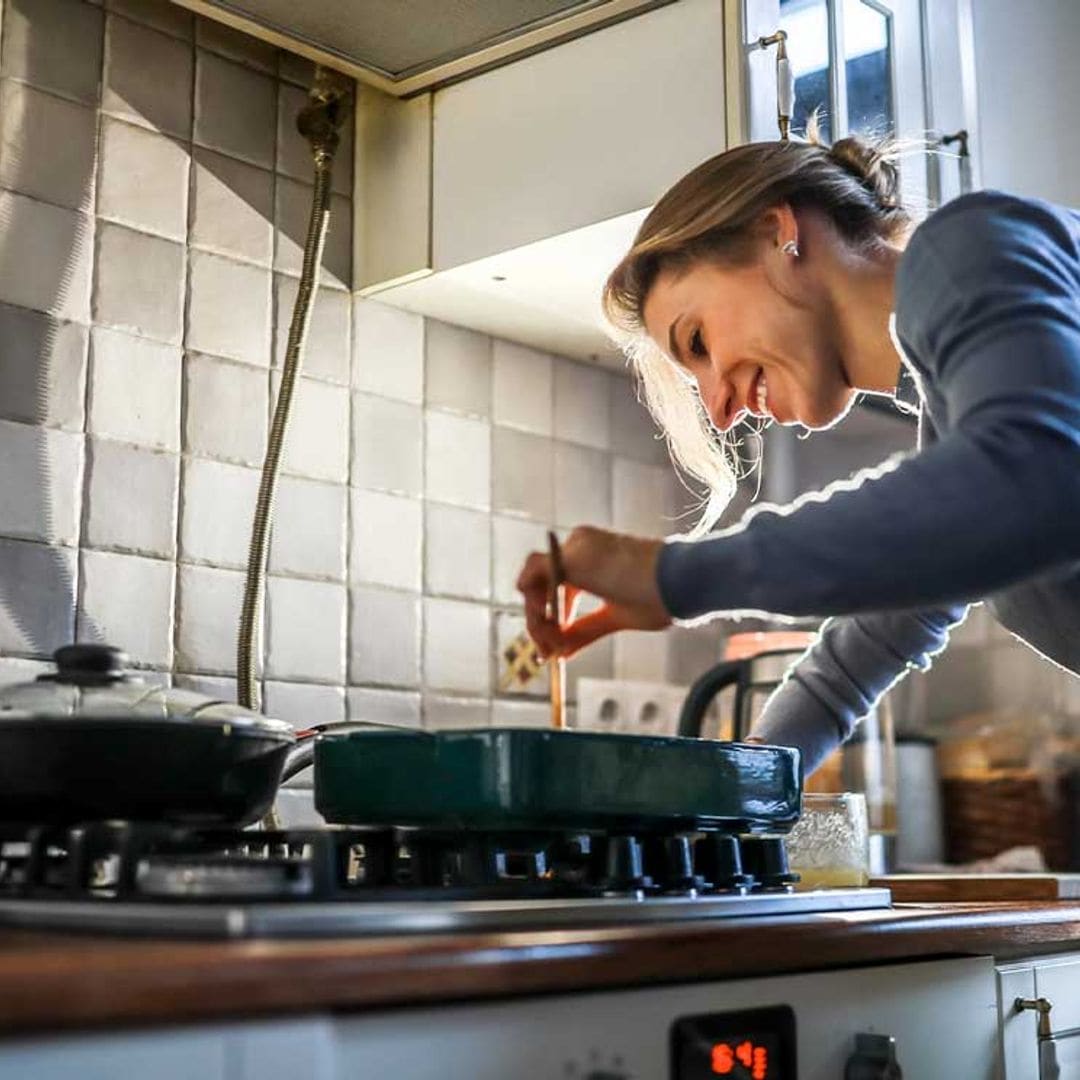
<point>1024,1055</point>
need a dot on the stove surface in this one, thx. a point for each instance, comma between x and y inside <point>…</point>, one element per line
<point>137,878</point>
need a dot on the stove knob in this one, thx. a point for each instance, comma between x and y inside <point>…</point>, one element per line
<point>874,1059</point>
<point>718,860</point>
<point>678,864</point>
<point>766,858</point>
<point>623,864</point>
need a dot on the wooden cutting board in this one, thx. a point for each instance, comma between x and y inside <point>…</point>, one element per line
<point>975,888</point>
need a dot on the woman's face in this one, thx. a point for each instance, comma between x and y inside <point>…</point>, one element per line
<point>759,339</point>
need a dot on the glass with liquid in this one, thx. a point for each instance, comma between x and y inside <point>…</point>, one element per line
<point>829,845</point>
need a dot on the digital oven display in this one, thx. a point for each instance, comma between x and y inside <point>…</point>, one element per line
<point>753,1044</point>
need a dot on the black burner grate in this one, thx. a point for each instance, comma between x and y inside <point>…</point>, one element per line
<point>139,861</point>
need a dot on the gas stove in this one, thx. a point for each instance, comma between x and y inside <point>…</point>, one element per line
<point>134,878</point>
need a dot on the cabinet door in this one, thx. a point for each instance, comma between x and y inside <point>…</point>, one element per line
<point>857,63</point>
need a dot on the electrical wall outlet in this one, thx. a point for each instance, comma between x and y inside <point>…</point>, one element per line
<point>631,707</point>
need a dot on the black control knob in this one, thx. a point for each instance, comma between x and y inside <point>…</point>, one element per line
<point>719,861</point>
<point>679,873</point>
<point>765,858</point>
<point>623,868</point>
<point>874,1059</point>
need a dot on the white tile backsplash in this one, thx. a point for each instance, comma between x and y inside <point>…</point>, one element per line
<point>160,14</point>
<point>38,612</point>
<point>522,390</point>
<point>139,285</point>
<point>310,526</point>
<point>292,211</point>
<point>305,630</point>
<point>524,479</point>
<point>640,498</point>
<point>148,77</point>
<point>457,460</point>
<point>582,405</point>
<point>131,499</point>
<point>25,113</point>
<point>45,257</point>
<point>512,541</point>
<point>400,707</point>
<point>134,390</point>
<point>219,502</point>
<point>40,483</point>
<point>457,646</point>
<point>443,713</point>
<point>387,537</point>
<point>304,704</point>
<point>388,351</point>
<point>384,637</point>
<point>227,411</point>
<point>317,444</point>
<point>458,369</point>
<point>54,45</point>
<point>218,288</point>
<point>208,616</point>
<point>387,445</point>
<point>457,552</point>
<point>234,45</point>
<point>233,211</point>
<point>144,179</point>
<point>582,479</point>
<point>326,352</point>
<point>235,109</point>
<point>127,601</point>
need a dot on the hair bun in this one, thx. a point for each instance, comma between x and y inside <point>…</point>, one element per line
<point>872,165</point>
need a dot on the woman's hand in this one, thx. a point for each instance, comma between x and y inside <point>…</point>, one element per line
<point>619,569</point>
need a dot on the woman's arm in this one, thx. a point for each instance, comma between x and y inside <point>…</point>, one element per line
<point>841,677</point>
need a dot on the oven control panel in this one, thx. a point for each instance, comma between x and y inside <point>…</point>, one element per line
<point>936,1020</point>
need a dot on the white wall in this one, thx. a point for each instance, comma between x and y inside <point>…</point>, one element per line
<point>1028,78</point>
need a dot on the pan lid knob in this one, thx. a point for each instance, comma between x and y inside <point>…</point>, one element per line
<point>88,665</point>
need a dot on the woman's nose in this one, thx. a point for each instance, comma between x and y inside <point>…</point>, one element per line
<point>718,396</point>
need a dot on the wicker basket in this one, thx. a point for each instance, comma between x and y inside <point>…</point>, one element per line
<point>990,812</point>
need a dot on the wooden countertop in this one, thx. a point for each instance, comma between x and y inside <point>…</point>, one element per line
<point>54,981</point>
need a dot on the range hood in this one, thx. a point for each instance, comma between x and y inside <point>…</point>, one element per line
<point>403,47</point>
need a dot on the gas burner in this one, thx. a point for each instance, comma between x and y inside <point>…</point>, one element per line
<point>144,878</point>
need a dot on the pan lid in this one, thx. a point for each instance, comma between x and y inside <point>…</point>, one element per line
<point>90,681</point>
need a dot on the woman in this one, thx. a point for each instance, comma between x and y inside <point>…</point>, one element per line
<point>778,280</point>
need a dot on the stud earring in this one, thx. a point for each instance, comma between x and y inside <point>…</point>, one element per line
<point>790,248</point>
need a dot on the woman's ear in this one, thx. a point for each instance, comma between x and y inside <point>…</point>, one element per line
<point>783,229</point>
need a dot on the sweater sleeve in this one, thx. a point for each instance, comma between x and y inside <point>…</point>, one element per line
<point>988,295</point>
<point>853,662</point>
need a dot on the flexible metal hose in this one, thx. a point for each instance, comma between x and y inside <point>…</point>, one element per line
<point>318,122</point>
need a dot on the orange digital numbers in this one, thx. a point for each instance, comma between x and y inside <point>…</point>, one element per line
<point>754,1058</point>
<point>723,1059</point>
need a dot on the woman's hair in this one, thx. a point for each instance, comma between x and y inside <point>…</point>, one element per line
<point>710,215</point>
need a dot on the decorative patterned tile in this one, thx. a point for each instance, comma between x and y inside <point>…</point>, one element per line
<point>457,552</point>
<point>457,646</point>
<point>40,483</point>
<point>388,351</point>
<point>305,630</point>
<point>208,605</point>
<point>582,404</point>
<point>127,602</point>
<point>522,392</point>
<point>37,613</point>
<point>326,351</point>
<point>508,625</point>
<point>45,257</point>
<point>134,390</point>
<point>227,409</point>
<point>144,179</point>
<point>458,460</point>
<point>523,481</point>
<point>43,374</point>
<point>148,77</point>
<point>387,445</point>
<point>54,45</point>
<point>218,505</point>
<point>139,283</point>
<point>384,637</point>
<point>61,171</point>
<point>233,212</point>
<point>234,109</point>
<point>458,369</point>
<point>386,540</point>
<point>131,499</point>
<point>220,288</point>
<point>309,529</point>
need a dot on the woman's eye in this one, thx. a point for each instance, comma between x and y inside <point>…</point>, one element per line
<point>697,344</point>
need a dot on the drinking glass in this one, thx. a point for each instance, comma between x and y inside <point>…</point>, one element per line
<point>829,845</point>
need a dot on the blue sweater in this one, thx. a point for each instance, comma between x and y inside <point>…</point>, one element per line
<point>988,323</point>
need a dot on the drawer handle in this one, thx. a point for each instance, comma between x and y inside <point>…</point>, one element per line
<point>1041,1006</point>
